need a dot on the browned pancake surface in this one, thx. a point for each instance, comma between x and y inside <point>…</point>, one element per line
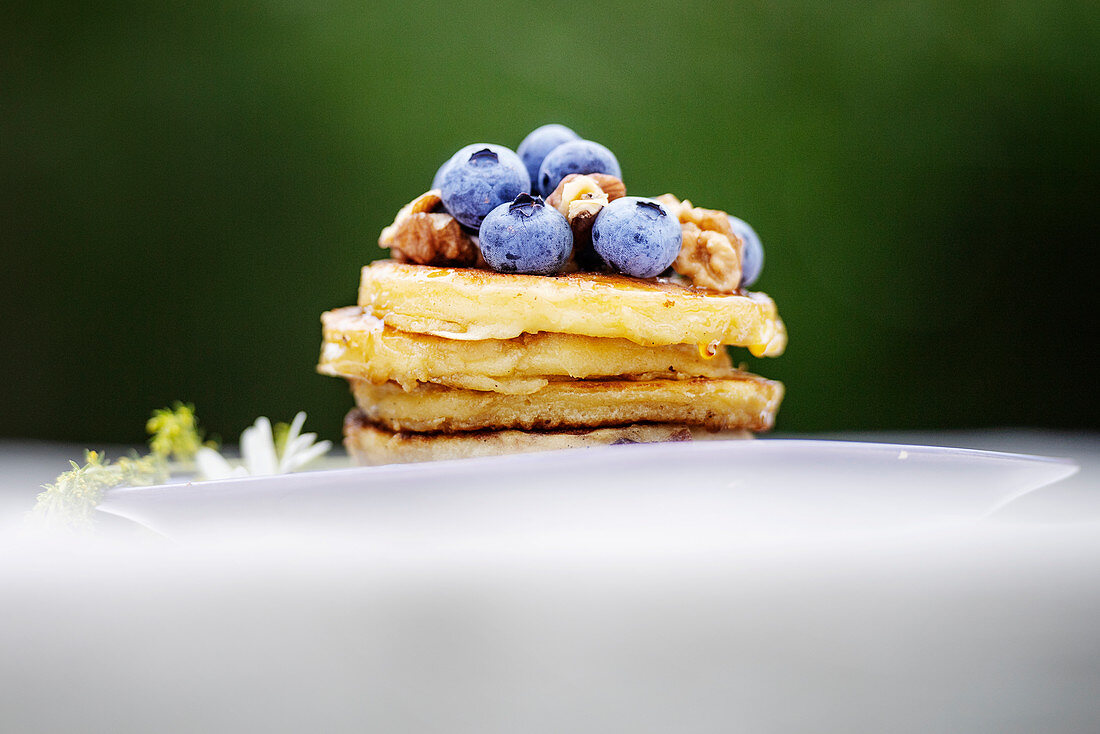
<point>370,444</point>
<point>746,402</point>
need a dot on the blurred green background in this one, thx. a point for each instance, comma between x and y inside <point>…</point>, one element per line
<point>184,189</point>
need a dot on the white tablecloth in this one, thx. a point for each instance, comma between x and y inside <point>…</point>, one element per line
<point>971,628</point>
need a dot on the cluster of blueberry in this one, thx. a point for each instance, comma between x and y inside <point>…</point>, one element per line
<point>499,193</point>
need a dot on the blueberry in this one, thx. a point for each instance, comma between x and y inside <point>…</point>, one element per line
<point>577,156</point>
<point>525,236</point>
<point>637,236</point>
<point>752,255</point>
<point>539,142</point>
<point>478,179</point>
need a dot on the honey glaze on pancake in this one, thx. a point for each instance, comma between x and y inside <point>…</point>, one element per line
<point>673,285</point>
<point>471,304</point>
<point>357,345</point>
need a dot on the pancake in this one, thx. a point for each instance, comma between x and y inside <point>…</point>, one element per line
<point>744,402</point>
<point>370,444</point>
<point>357,345</point>
<point>471,304</point>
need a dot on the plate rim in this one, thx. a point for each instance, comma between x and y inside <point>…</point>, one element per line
<point>471,463</point>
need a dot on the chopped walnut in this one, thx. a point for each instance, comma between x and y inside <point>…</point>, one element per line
<point>709,259</point>
<point>580,197</point>
<point>710,255</point>
<point>423,234</point>
<point>579,184</point>
<point>709,220</point>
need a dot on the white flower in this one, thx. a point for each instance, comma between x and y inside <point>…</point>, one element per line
<point>260,456</point>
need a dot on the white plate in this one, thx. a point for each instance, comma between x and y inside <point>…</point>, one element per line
<point>657,492</point>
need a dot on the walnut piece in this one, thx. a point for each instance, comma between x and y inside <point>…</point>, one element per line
<point>423,234</point>
<point>580,197</point>
<point>709,259</point>
<point>710,255</point>
<point>708,220</point>
<point>580,201</point>
<point>612,187</point>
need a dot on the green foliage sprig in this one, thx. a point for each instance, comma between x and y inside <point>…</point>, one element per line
<point>70,501</point>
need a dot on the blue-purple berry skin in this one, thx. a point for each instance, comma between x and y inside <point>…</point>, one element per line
<point>525,236</point>
<point>637,237</point>
<point>478,179</point>
<point>752,254</point>
<point>539,142</point>
<point>577,156</point>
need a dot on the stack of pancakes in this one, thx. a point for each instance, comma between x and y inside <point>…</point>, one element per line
<point>457,362</point>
